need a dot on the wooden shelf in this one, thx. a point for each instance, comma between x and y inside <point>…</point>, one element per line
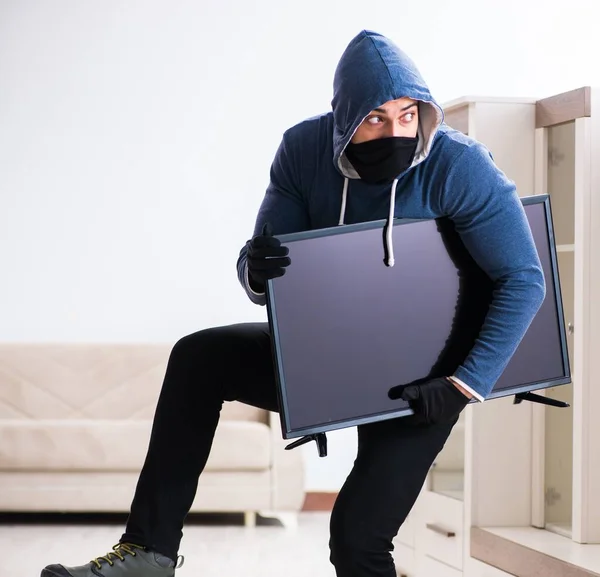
<point>530,552</point>
<point>562,529</point>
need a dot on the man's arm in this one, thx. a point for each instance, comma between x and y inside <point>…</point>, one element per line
<point>489,216</point>
<point>283,207</point>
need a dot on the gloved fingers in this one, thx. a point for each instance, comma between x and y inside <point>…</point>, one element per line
<point>261,264</point>
<point>264,241</point>
<point>444,404</point>
<point>276,272</point>
<point>411,393</point>
<point>262,276</point>
<point>263,252</point>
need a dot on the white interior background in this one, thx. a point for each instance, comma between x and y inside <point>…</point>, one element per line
<point>136,138</point>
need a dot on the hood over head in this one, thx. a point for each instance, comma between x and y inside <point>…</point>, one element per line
<point>371,72</point>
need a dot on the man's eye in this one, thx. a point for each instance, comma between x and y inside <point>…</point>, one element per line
<point>409,117</point>
<point>374,119</point>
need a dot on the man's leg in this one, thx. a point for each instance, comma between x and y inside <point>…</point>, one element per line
<point>204,369</point>
<point>392,462</point>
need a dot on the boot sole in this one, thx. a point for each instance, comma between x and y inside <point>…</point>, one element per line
<point>55,571</point>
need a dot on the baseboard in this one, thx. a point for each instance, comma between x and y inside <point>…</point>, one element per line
<point>319,501</point>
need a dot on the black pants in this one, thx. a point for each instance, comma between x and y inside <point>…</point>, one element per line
<point>235,363</point>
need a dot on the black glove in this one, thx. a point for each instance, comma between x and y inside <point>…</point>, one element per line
<point>437,400</point>
<point>266,259</point>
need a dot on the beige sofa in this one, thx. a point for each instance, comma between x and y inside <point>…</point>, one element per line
<point>75,422</point>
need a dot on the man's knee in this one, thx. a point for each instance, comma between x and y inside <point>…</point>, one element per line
<point>196,347</point>
<point>356,548</point>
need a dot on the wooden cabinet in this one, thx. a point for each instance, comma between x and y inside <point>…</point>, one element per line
<point>432,541</point>
<point>507,127</point>
<point>568,141</point>
<point>440,529</point>
<point>527,465</point>
<point>430,567</point>
<point>405,560</point>
<point>479,569</point>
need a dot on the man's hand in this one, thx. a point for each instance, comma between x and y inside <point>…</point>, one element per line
<point>266,259</point>
<point>437,400</point>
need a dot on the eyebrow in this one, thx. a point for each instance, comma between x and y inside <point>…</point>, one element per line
<point>402,109</point>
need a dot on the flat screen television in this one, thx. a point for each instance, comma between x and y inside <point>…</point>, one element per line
<point>346,329</point>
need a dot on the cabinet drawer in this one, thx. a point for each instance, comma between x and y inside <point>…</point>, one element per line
<point>441,529</point>
<point>406,533</point>
<point>429,567</point>
<point>479,569</point>
<point>404,559</point>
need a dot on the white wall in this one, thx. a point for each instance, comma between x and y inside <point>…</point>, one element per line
<point>136,138</point>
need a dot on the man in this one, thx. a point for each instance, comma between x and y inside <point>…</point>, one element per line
<point>383,151</point>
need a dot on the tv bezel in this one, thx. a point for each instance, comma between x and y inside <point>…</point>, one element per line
<point>290,433</point>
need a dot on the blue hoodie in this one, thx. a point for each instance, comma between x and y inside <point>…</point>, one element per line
<point>313,185</point>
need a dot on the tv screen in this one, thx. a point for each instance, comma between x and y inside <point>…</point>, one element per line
<point>346,329</point>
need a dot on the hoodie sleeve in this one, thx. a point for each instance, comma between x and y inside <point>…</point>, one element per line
<point>490,218</point>
<point>283,206</point>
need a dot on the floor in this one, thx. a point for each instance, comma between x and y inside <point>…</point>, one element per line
<point>213,545</point>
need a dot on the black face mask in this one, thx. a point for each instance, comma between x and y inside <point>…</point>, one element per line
<point>383,159</point>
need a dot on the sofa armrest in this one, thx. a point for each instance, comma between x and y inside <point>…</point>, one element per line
<point>288,471</point>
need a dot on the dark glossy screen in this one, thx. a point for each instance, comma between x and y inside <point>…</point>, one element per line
<point>347,329</point>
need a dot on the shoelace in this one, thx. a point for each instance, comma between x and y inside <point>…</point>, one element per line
<point>116,552</point>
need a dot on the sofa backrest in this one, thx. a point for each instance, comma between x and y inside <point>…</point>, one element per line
<point>89,381</point>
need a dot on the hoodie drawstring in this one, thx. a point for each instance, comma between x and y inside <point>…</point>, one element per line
<point>344,197</point>
<point>388,245</point>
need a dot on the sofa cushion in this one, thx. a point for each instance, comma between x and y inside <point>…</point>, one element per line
<point>236,411</point>
<point>89,381</point>
<point>76,445</point>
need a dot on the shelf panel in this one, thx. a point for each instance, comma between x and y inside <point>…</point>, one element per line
<point>529,552</point>
<point>561,181</point>
<point>565,248</point>
<point>562,529</point>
